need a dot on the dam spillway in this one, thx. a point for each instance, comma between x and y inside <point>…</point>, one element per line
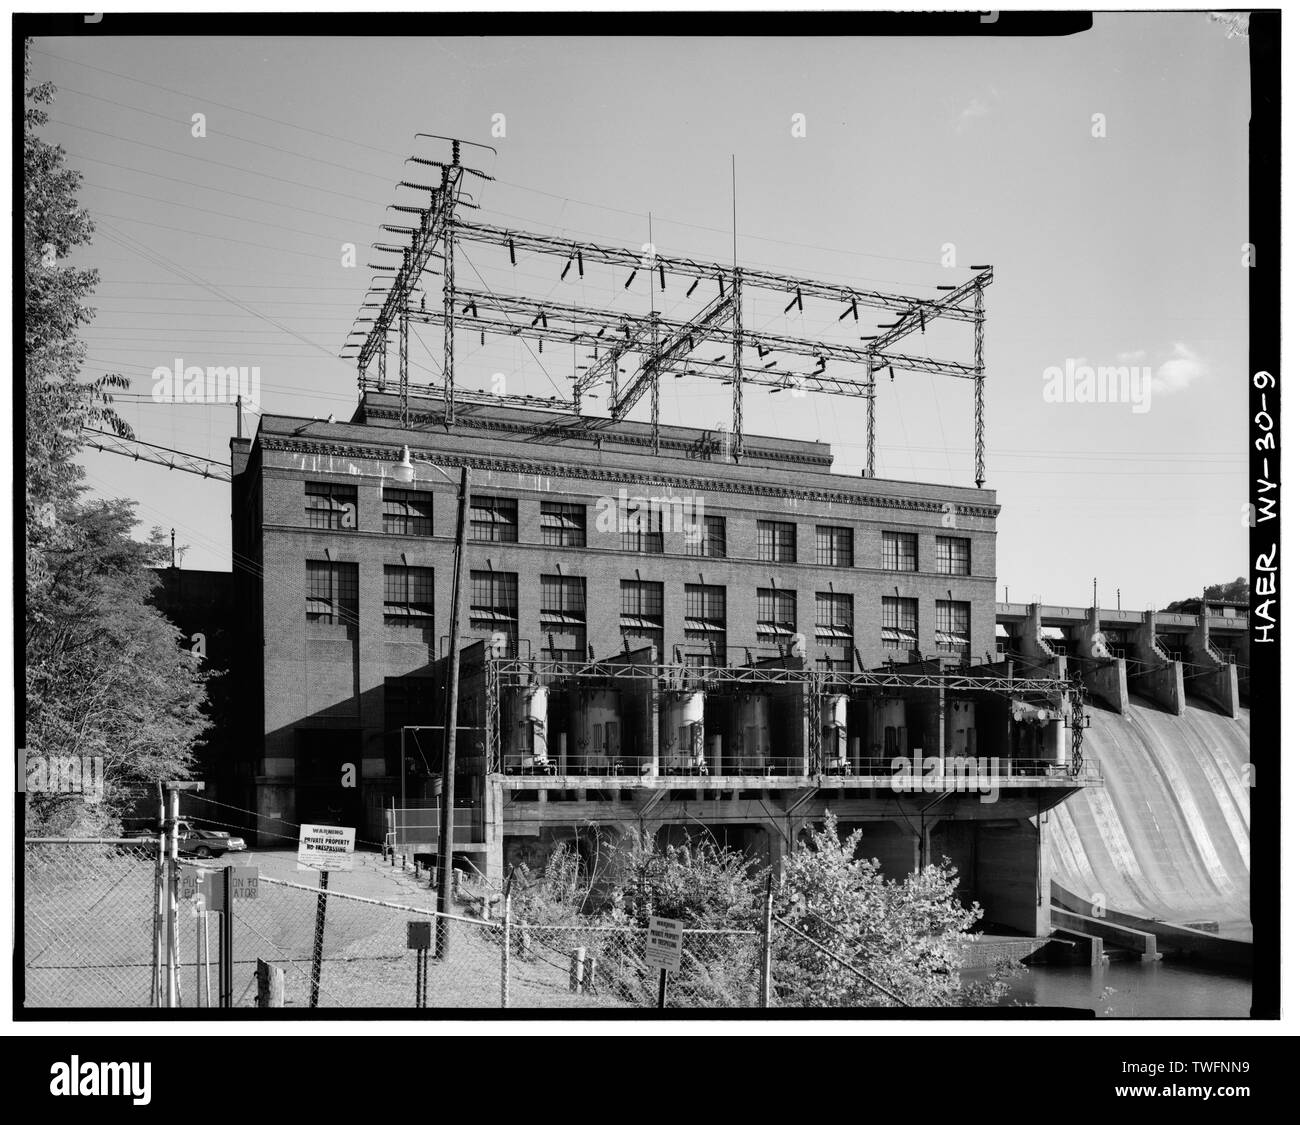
<point>1168,836</point>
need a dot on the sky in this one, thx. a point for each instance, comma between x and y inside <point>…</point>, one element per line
<point>1115,249</point>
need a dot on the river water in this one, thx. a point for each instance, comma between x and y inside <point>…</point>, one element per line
<point>1132,989</point>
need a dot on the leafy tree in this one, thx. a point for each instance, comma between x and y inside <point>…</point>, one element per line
<point>907,937</point>
<point>105,673</point>
<point>856,929</point>
<point>1238,590</point>
<point>700,882</point>
<point>58,403</point>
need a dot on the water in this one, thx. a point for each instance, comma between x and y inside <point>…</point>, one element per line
<point>1133,989</point>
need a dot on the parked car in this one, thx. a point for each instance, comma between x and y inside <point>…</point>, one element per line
<point>200,842</point>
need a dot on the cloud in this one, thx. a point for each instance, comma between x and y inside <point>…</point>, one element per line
<point>976,107</point>
<point>1179,372</point>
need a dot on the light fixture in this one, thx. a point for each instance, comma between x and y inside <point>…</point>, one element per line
<point>404,471</point>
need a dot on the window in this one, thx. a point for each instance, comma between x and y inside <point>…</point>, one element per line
<point>407,512</point>
<point>564,525</point>
<point>835,619</point>
<point>643,528</point>
<point>331,506</point>
<point>834,546</point>
<point>408,597</point>
<point>776,614</point>
<point>952,627</point>
<point>332,592</point>
<point>564,616</point>
<point>835,631</point>
<point>706,624</point>
<point>898,624</point>
<point>493,519</point>
<point>709,539</point>
<point>775,541</point>
<point>897,550</point>
<point>641,616</point>
<point>494,601</point>
<point>952,555</point>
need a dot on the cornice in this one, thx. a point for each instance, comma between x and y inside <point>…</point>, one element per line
<point>603,474</point>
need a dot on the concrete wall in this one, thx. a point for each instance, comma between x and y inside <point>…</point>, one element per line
<point>1105,677</point>
<point>1161,679</point>
<point>1219,686</point>
<point>1010,881</point>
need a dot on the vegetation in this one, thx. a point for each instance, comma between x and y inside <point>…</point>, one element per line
<point>847,936</point>
<point>1238,590</point>
<point>106,676</point>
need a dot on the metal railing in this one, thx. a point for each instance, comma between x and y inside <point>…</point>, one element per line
<point>628,765</point>
<point>955,765</point>
<point>750,767</point>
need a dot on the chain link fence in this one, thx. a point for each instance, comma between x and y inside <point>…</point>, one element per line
<point>89,911</point>
<point>91,907</point>
<point>579,967</point>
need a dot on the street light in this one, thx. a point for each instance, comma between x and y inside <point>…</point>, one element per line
<point>404,471</point>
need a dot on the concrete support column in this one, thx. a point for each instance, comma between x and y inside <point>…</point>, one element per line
<point>1105,676</point>
<point>493,831</point>
<point>1161,678</point>
<point>1043,911</point>
<point>923,841</point>
<point>1219,686</point>
<point>778,847</point>
<point>1032,648</point>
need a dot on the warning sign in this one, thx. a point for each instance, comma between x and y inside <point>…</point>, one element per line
<point>325,847</point>
<point>663,944</point>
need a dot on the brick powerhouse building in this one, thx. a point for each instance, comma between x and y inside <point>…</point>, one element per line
<point>343,588</point>
<point>350,600</point>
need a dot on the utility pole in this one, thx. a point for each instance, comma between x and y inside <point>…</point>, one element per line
<point>171,831</point>
<point>447,819</point>
<point>1094,593</point>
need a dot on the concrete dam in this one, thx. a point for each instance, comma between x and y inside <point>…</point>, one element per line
<point>1168,836</point>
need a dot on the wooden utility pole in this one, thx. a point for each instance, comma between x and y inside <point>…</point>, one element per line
<point>447,819</point>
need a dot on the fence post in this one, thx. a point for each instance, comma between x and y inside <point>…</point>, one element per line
<point>765,954</point>
<point>270,985</point>
<point>173,896</point>
<point>159,916</point>
<point>318,945</point>
<point>505,954</point>
<point>576,959</point>
<point>226,971</point>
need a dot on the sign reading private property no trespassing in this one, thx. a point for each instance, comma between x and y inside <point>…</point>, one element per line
<point>325,847</point>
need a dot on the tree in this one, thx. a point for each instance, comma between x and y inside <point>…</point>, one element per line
<point>1238,590</point>
<point>106,676</point>
<point>907,937</point>
<point>58,402</point>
